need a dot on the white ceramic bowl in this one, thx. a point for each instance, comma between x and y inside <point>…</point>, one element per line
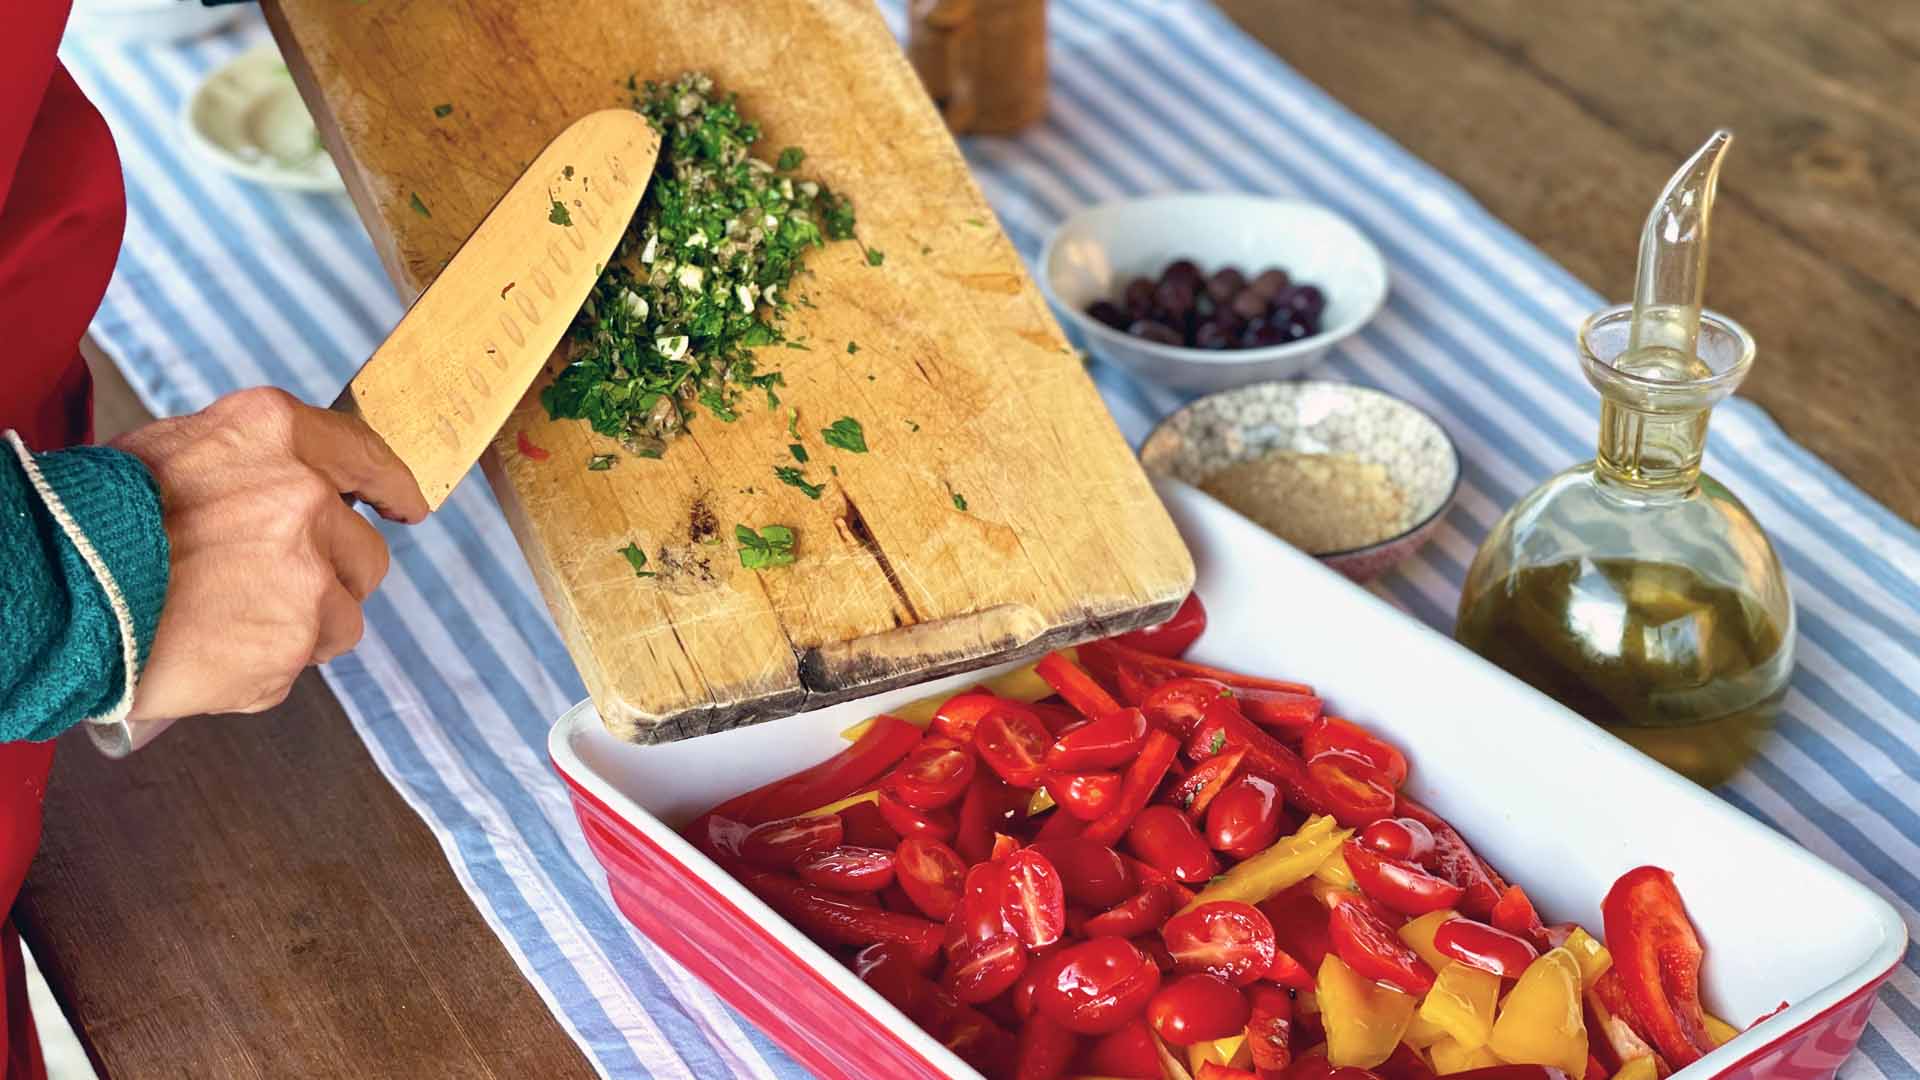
<point>1092,255</point>
<point>247,119</point>
<point>1544,795</point>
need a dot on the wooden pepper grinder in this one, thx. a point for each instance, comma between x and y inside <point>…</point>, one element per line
<point>984,62</point>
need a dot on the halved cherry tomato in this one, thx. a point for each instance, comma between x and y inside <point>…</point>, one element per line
<point>1055,717</point>
<point>1131,683</point>
<point>1147,875</point>
<point>1247,817</point>
<point>1487,948</point>
<point>1399,885</point>
<point>1191,1008</point>
<point>1213,1070</point>
<point>983,903</point>
<point>840,921</point>
<point>1014,744</point>
<point>1139,782</point>
<point>967,1032</point>
<point>718,837</point>
<point>1071,682</point>
<point>959,715</point>
<point>1093,874</point>
<point>1106,653</point>
<point>1172,637</point>
<point>1046,1049</point>
<point>848,869</point>
<point>1289,972</point>
<point>932,776</point>
<point>1003,846</point>
<point>1084,795</point>
<point>985,968</point>
<point>1225,938</point>
<point>1299,923</point>
<point>1197,790</point>
<point>867,827</point>
<point>1269,1027</point>
<point>1127,1052</point>
<point>1178,704</point>
<point>1658,953</point>
<point>1141,914</point>
<point>1330,733</point>
<point>888,968</point>
<point>1348,790</point>
<point>988,804</point>
<point>1400,838</point>
<point>1514,913</point>
<point>1105,742</point>
<point>886,741</point>
<point>905,820</point>
<point>780,845</point>
<point>1041,969</point>
<point>1163,838</point>
<point>1036,901</point>
<point>1224,729</point>
<point>1371,948</point>
<point>932,874</point>
<point>1282,710</point>
<point>1456,861</point>
<point>1100,985</point>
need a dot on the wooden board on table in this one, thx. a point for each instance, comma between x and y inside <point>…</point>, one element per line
<point>998,511</point>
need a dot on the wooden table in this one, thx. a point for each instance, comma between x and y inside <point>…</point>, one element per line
<point>251,898</point>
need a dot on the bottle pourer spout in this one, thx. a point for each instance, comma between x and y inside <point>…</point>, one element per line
<point>1673,254</point>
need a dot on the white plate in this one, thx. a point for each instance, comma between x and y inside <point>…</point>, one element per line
<point>248,119</point>
<point>1093,254</point>
<point>1552,800</point>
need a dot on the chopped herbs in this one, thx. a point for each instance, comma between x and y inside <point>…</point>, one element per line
<point>913,427</point>
<point>852,348</point>
<point>771,546</point>
<point>701,278</point>
<point>441,112</point>
<point>1218,744</point>
<point>959,501</point>
<point>793,423</point>
<point>793,477</point>
<point>602,462</point>
<point>566,172</point>
<point>875,256</point>
<point>413,200</point>
<point>790,159</point>
<point>558,215</point>
<point>976,223</point>
<point>846,434</point>
<point>799,452</point>
<point>636,559</point>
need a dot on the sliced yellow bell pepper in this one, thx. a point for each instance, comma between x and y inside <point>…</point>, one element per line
<point>853,732</point>
<point>872,796</point>
<point>1719,1029</point>
<point>1364,1019</point>
<point>1022,684</point>
<point>1540,1022</point>
<point>1040,802</point>
<point>1291,860</point>
<point>1461,1002</point>
<point>1640,1068</point>
<point>1334,871</point>
<point>1593,957</point>
<point>1450,1057</point>
<point>1418,935</point>
<point>1422,1033</point>
<point>1232,1052</point>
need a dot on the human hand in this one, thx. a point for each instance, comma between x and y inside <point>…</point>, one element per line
<point>269,564</point>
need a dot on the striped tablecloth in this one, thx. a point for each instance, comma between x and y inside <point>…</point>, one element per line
<point>224,285</point>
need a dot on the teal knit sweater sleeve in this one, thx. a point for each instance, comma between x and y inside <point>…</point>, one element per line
<point>83,574</point>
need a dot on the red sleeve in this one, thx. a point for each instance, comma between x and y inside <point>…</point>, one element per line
<point>27,44</point>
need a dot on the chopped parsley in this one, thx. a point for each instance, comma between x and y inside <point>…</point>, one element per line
<point>790,159</point>
<point>413,200</point>
<point>793,477</point>
<point>770,547</point>
<point>441,112</point>
<point>913,427</point>
<point>558,215</point>
<point>793,423</point>
<point>636,559</point>
<point>1218,744</point>
<point>799,452</point>
<point>976,223</point>
<point>846,434</point>
<point>566,172</point>
<point>602,462</point>
<point>700,280</point>
<point>959,501</point>
<point>875,256</point>
<point>852,348</point>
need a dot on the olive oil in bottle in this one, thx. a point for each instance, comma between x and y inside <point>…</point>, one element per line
<point>1689,671</point>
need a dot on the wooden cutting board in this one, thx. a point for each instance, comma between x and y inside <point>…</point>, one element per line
<point>962,381</point>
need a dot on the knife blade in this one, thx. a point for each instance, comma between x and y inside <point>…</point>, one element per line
<point>448,376</point>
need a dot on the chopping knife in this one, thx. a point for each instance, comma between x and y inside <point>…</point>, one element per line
<point>447,377</point>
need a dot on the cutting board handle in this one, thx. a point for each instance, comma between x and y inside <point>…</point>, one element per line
<point>919,652</point>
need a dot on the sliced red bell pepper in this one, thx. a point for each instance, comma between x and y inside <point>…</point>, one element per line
<point>1196,790</point>
<point>1046,1049</point>
<point>1142,777</point>
<point>1111,653</point>
<point>1657,953</point>
<point>983,812</point>
<point>1170,638</point>
<point>1330,733</point>
<point>1148,875</point>
<point>1224,728</point>
<point>1288,972</point>
<point>1514,913</point>
<point>1285,711</point>
<point>1454,860</point>
<point>837,919</point>
<point>885,742</point>
<point>1072,682</point>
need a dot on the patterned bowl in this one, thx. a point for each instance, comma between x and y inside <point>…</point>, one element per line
<point>1319,418</point>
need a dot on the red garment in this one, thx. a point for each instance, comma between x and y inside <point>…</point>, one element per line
<point>62,209</point>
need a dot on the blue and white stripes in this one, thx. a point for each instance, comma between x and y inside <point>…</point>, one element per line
<point>223,285</point>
